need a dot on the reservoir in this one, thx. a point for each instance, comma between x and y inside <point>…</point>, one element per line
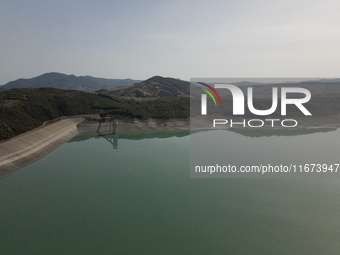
<point>132,194</point>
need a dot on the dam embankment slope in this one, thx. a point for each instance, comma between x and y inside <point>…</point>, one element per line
<point>36,144</point>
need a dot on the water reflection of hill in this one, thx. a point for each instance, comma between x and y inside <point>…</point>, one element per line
<point>279,132</point>
<point>181,133</point>
<point>135,135</point>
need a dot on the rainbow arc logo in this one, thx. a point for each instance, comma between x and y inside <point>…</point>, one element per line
<point>208,92</point>
<point>204,97</point>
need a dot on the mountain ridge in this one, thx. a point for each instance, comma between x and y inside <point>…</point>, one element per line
<point>63,81</point>
<point>153,87</point>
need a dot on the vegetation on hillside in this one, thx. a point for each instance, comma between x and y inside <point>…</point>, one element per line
<point>24,109</point>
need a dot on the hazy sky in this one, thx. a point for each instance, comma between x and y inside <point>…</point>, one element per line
<point>180,39</point>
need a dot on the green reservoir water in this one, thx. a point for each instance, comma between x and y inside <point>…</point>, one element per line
<point>88,198</point>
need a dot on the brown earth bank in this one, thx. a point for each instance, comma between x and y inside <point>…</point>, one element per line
<point>138,125</point>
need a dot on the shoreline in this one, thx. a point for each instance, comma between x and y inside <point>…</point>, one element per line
<point>24,149</point>
<point>35,144</point>
<point>139,125</point>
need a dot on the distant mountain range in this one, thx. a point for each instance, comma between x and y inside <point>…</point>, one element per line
<point>154,87</point>
<point>64,81</point>
<point>247,83</point>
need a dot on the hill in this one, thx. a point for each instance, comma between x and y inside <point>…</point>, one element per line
<point>24,109</point>
<point>152,88</point>
<point>64,81</point>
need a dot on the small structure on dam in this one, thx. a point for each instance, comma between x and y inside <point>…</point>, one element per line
<point>107,128</point>
<point>106,125</point>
